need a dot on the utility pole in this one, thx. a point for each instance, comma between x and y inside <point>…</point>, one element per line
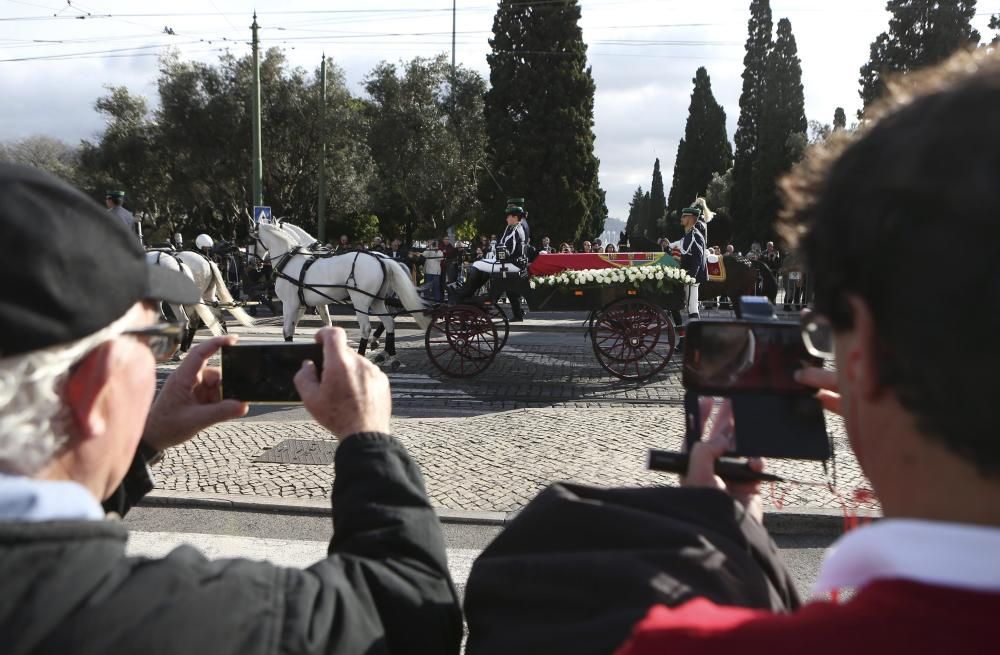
<point>258,169</point>
<point>453,78</point>
<point>321,201</point>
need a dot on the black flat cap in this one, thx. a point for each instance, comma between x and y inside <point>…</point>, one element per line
<point>68,268</point>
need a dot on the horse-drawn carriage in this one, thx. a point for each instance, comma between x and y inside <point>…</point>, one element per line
<point>628,297</point>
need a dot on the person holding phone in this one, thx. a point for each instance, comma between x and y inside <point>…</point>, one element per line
<point>81,423</point>
<point>926,578</point>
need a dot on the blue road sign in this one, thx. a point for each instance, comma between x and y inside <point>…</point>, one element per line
<point>261,214</point>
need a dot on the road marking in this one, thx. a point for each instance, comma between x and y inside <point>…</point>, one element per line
<point>294,553</point>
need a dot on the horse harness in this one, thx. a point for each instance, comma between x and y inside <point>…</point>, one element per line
<point>173,255</point>
<point>311,258</point>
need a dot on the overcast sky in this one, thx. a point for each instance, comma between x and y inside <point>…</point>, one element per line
<point>644,55</point>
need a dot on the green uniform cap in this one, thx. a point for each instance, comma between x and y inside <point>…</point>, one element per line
<point>694,211</point>
<point>114,194</point>
<point>515,206</point>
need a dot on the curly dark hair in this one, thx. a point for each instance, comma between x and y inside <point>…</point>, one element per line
<point>905,214</point>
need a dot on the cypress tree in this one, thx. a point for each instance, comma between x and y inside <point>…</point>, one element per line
<point>782,123</point>
<point>751,98</point>
<point>657,207</point>
<point>539,120</point>
<point>839,119</point>
<point>636,213</point>
<point>705,148</point>
<point>921,33</point>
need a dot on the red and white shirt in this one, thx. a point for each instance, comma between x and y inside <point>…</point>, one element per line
<point>921,587</point>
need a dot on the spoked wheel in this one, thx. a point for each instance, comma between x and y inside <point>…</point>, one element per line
<point>633,339</point>
<point>461,340</point>
<point>500,322</point>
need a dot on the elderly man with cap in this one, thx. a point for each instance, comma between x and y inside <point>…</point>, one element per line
<point>113,200</point>
<point>79,425</point>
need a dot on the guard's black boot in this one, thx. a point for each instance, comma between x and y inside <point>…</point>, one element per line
<point>515,307</point>
<point>474,279</point>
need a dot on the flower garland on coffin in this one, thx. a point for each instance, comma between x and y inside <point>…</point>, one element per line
<point>633,276</point>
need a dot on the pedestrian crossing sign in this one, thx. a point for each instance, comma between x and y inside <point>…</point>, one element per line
<point>261,214</point>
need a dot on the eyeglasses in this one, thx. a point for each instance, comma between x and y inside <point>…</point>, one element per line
<point>817,334</point>
<point>162,338</point>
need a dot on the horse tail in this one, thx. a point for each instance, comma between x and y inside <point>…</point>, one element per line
<point>770,284</point>
<point>223,292</point>
<point>210,320</point>
<point>400,282</point>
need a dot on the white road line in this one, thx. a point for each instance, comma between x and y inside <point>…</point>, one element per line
<point>295,553</point>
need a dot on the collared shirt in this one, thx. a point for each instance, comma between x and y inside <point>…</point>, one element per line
<point>956,555</point>
<point>124,215</point>
<point>27,499</point>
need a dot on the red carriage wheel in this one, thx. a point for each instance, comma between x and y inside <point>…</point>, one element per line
<point>500,322</point>
<point>461,340</point>
<point>633,338</point>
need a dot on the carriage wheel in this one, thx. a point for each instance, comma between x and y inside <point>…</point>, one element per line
<point>500,322</point>
<point>633,339</point>
<point>461,341</point>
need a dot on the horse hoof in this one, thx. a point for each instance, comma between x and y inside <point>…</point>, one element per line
<point>396,365</point>
<point>288,339</point>
<point>373,345</point>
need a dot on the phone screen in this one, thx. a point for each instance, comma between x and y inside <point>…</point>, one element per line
<point>738,357</point>
<point>263,373</point>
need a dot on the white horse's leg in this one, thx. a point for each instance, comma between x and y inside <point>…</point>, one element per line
<point>291,314</point>
<point>388,357</point>
<point>324,315</point>
<point>362,304</point>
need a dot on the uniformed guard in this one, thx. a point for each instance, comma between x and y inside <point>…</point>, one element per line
<point>114,200</point>
<point>693,256</point>
<point>509,254</point>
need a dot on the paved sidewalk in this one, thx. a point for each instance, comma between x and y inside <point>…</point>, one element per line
<point>489,463</point>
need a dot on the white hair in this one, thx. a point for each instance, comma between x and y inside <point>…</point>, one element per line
<point>35,422</point>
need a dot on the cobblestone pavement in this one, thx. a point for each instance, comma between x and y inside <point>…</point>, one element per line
<point>491,462</point>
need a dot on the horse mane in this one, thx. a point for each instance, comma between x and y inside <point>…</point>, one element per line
<point>278,233</point>
<point>707,213</point>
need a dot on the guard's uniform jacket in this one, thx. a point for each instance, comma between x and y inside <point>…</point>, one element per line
<point>383,588</point>
<point>513,241</point>
<point>125,216</point>
<point>693,255</point>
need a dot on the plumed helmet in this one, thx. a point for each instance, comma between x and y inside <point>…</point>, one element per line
<point>203,241</point>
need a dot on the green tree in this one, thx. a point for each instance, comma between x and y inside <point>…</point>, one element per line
<point>187,164</point>
<point>995,25</point>
<point>704,150</point>
<point>656,210</point>
<point>758,46</point>
<point>425,153</point>
<point>636,213</point>
<point>44,152</point>
<point>539,120</point>
<point>839,119</point>
<point>921,33</point>
<point>784,117</point>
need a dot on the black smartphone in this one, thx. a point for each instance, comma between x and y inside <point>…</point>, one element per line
<point>723,358</point>
<point>753,364</point>
<point>262,373</point>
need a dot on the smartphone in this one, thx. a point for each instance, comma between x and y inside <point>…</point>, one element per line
<point>753,364</point>
<point>723,358</point>
<point>262,373</point>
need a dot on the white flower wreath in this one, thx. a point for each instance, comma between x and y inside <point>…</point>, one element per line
<point>634,276</point>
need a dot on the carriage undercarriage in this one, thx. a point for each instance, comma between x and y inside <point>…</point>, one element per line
<point>630,331</point>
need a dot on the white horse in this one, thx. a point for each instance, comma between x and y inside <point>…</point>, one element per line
<point>206,276</point>
<point>363,278</point>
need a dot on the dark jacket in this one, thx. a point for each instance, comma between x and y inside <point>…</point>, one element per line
<point>579,566</point>
<point>69,588</point>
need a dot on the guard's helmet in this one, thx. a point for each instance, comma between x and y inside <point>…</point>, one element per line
<point>203,241</point>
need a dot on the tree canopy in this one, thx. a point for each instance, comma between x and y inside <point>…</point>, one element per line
<point>539,121</point>
<point>704,151</point>
<point>921,33</point>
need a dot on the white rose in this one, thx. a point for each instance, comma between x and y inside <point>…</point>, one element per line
<point>532,284</point>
